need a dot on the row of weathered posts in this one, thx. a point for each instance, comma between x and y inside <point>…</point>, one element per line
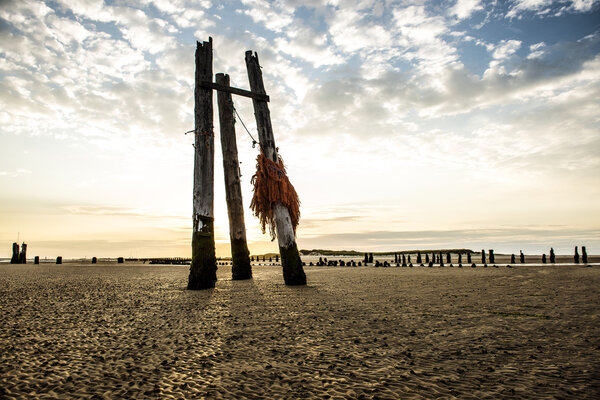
<point>203,268</point>
<point>491,258</point>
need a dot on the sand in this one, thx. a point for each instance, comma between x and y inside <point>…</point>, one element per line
<point>132,331</point>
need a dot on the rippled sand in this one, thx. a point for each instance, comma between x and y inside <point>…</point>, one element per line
<point>132,331</point>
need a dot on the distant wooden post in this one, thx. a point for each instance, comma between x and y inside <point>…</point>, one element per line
<point>584,256</point>
<point>36,260</point>
<point>23,254</point>
<point>15,253</point>
<point>552,255</point>
<point>522,257</point>
<point>120,260</point>
<point>293,273</point>
<point>483,257</point>
<point>240,259</point>
<point>492,258</point>
<point>448,258</point>
<point>59,260</point>
<point>203,267</point>
<point>576,256</point>
<point>94,260</point>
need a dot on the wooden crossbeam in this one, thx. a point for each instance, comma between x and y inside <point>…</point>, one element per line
<point>233,90</point>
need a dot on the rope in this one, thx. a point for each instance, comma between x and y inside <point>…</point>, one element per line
<point>254,142</point>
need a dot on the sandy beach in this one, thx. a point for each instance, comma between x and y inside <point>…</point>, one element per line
<point>133,331</point>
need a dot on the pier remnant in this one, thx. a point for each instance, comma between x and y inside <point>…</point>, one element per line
<point>23,254</point>
<point>240,261</point>
<point>15,253</point>
<point>584,257</point>
<point>492,258</point>
<point>552,256</point>
<point>59,260</point>
<point>576,256</point>
<point>203,267</point>
<point>36,260</point>
<point>293,273</point>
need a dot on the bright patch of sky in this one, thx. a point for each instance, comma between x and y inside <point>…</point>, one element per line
<point>404,124</point>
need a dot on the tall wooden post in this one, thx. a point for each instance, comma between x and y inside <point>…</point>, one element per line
<point>240,256</point>
<point>293,273</point>
<point>203,268</point>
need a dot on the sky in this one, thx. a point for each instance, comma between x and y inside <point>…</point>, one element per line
<point>403,124</point>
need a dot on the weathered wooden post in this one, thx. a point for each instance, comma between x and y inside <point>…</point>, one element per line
<point>203,267</point>
<point>120,260</point>
<point>293,273</point>
<point>544,258</point>
<point>94,260</point>
<point>15,253</point>
<point>36,260</point>
<point>23,254</point>
<point>419,259</point>
<point>483,256</point>
<point>240,260</point>
<point>448,258</point>
<point>469,256</point>
<point>584,257</point>
<point>59,260</point>
<point>492,258</point>
<point>576,256</point>
<point>513,259</point>
<point>522,256</point>
<point>552,256</point>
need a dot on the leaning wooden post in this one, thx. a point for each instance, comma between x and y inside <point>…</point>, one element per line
<point>240,256</point>
<point>203,268</point>
<point>293,273</point>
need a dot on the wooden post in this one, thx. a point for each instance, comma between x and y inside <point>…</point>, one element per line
<point>23,254</point>
<point>59,260</point>
<point>293,273</point>
<point>15,253</point>
<point>203,267</point>
<point>240,256</point>
<point>36,260</point>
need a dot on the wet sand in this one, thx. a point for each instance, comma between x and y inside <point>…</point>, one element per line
<point>132,331</point>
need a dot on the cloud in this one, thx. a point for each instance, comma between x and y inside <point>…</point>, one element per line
<point>549,7</point>
<point>463,9</point>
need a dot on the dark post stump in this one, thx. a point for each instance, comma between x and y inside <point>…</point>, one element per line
<point>552,256</point>
<point>522,257</point>
<point>576,256</point>
<point>15,253</point>
<point>492,258</point>
<point>584,257</point>
<point>483,256</point>
<point>419,259</point>
<point>36,260</point>
<point>59,260</point>
<point>23,254</point>
<point>94,260</point>
<point>120,260</point>
<point>544,258</point>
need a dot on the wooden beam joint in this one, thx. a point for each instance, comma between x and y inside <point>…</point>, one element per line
<point>233,90</point>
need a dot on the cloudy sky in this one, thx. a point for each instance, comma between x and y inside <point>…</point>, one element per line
<point>403,124</point>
